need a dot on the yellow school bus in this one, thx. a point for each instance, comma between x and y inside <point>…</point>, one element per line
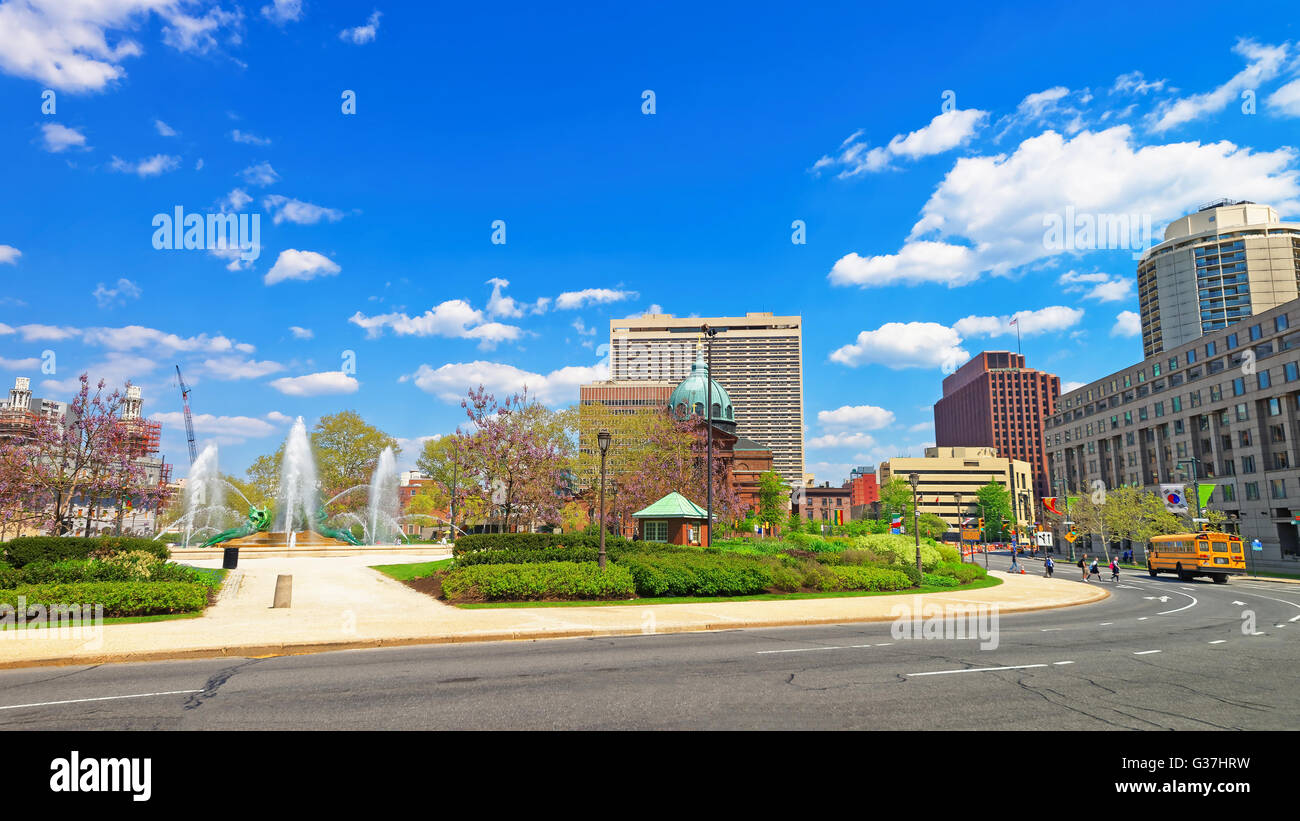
<point>1217,555</point>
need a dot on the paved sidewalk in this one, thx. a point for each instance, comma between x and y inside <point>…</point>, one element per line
<point>340,603</point>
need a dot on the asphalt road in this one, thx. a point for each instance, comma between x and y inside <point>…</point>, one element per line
<point>1158,654</point>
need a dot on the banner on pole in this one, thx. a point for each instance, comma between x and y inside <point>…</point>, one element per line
<point>1203,493</point>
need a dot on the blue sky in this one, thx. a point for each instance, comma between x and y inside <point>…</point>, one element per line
<point>924,211</point>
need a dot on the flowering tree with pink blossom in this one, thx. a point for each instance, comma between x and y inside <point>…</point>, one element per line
<point>86,457</point>
<point>519,455</point>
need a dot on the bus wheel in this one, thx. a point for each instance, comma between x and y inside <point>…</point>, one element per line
<point>1151,570</point>
<point>1182,576</point>
<point>1219,578</point>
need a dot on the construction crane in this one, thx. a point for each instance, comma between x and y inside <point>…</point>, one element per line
<point>189,420</point>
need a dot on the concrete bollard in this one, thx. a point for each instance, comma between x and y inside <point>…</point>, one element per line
<point>283,591</point>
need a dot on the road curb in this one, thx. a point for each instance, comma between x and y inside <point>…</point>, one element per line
<point>309,647</point>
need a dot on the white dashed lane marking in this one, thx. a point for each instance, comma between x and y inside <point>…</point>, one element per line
<point>1145,652</point>
<point>1220,641</point>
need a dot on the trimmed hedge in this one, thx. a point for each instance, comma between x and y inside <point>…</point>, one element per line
<point>117,598</point>
<point>698,574</point>
<point>526,556</point>
<point>537,580</point>
<point>850,577</point>
<point>963,573</point>
<point>902,549</point>
<point>531,541</point>
<point>135,567</point>
<point>935,580</point>
<point>26,549</point>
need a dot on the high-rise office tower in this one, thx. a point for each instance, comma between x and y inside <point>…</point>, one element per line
<point>1227,261</point>
<point>757,357</point>
<point>995,401</point>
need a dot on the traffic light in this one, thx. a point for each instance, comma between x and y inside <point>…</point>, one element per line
<point>981,525</point>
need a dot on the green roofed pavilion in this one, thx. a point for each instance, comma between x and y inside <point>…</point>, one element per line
<point>674,506</point>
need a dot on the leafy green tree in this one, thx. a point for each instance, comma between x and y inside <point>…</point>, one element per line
<point>896,498</point>
<point>773,497</point>
<point>995,506</point>
<point>446,461</point>
<point>347,450</point>
<point>932,526</point>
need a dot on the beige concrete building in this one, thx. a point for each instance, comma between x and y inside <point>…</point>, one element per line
<point>1216,267</point>
<point>757,357</point>
<point>613,405</point>
<point>946,472</point>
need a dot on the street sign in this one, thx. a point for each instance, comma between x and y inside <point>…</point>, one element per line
<point>1043,538</point>
<point>970,535</point>
<point>1070,536</point>
<point>1256,545</point>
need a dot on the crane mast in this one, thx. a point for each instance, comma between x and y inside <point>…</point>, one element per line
<point>189,421</point>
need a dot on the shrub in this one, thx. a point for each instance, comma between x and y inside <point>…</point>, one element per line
<point>948,553</point>
<point>9,577</point>
<point>536,580</point>
<point>527,556</point>
<point>909,570</point>
<point>26,549</point>
<point>697,575</point>
<point>963,573</point>
<point>935,580</point>
<point>816,544</point>
<point>117,598</point>
<point>867,578</point>
<point>901,549</point>
<point>531,541</point>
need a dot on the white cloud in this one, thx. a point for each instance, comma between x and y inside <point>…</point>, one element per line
<point>455,319</point>
<point>920,426</point>
<point>116,369</point>
<point>1098,286</point>
<point>361,35</point>
<point>861,417</point>
<point>944,133</point>
<point>996,206</point>
<point>559,387</point>
<point>1286,100</point>
<point>59,138</point>
<point>80,47</point>
<point>164,129</point>
<point>916,262</point>
<point>303,265</point>
<point>147,167</point>
<point>899,345</point>
<point>283,11</point>
<point>1135,83</point>
<point>234,201</point>
<point>1127,323</point>
<point>261,174</point>
<point>238,367</point>
<point>841,440</point>
<point>1263,64</point>
<point>301,333</point>
<point>130,337</point>
<point>124,290</point>
<point>591,296</point>
<point>316,384</point>
<point>297,211</point>
<point>30,363</point>
<point>655,308</point>
<point>1066,387</point>
<point>241,427</point>
<point>581,327</point>
<point>1051,319</point>
<point>247,138</point>
<point>9,254</point>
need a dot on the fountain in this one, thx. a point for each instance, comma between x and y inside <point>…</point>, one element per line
<point>300,522</point>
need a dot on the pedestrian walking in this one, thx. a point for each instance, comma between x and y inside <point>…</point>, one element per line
<point>1015,567</point>
<point>1083,567</point>
<point>1093,571</point>
<point>1114,570</point>
<point>1048,564</point>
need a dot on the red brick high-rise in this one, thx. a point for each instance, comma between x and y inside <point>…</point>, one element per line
<point>995,401</point>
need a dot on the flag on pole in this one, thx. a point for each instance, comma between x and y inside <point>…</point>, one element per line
<point>1175,502</point>
<point>1203,493</point>
<point>896,525</point>
<point>1049,504</point>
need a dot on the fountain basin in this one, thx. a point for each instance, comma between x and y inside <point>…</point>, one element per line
<point>307,544</point>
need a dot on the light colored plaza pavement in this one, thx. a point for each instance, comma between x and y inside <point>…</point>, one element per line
<point>340,603</point>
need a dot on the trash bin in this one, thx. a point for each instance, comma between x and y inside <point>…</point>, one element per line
<point>231,558</point>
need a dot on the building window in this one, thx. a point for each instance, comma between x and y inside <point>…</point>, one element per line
<point>1238,386</point>
<point>1255,332</point>
<point>656,531</point>
<point>1242,414</point>
<point>1244,438</point>
<point>1194,396</point>
<point>1191,357</point>
<point>1216,393</point>
<point>1280,323</point>
<point>1277,488</point>
<point>1248,464</point>
<point>1277,433</point>
<point>1291,371</point>
<point>1252,491</point>
<point>1160,409</point>
<point>1142,413</point>
<point>1274,407</point>
<point>1155,369</point>
<point>1128,417</point>
<point>1264,381</point>
<point>1173,363</point>
<point>1232,341</point>
<point>1210,349</point>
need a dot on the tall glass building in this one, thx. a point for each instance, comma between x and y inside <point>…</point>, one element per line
<point>1228,261</point>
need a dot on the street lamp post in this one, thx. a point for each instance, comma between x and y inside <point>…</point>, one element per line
<point>961,542</point>
<point>602,439</point>
<point>709,333</point>
<point>1196,488</point>
<point>916,530</point>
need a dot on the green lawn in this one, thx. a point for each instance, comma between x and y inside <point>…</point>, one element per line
<point>113,620</point>
<point>975,585</point>
<point>406,572</point>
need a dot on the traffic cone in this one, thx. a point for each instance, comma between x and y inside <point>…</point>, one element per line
<point>1022,571</point>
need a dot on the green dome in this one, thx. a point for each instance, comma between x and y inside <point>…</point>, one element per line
<point>691,395</point>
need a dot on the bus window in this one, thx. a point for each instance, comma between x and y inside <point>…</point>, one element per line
<point>1236,547</point>
<point>1220,547</point>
